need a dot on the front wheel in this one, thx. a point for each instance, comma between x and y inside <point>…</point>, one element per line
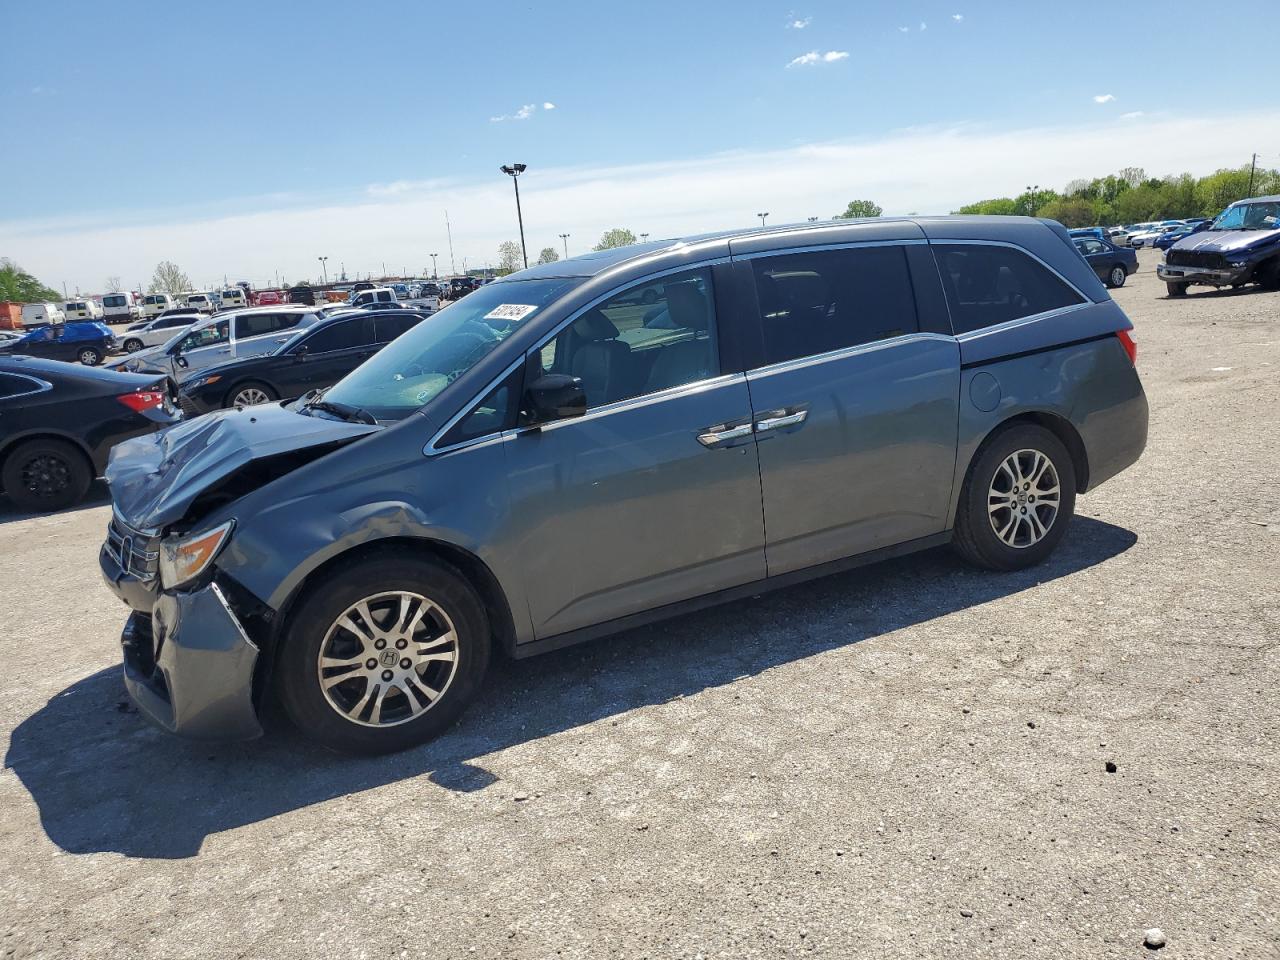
<point>89,356</point>
<point>133,345</point>
<point>1117,277</point>
<point>1176,289</point>
<point>250,395</point>
<point>1017,499</point>
<point>383,654</point>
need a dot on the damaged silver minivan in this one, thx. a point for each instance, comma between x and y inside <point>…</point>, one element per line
<point>597,443</point>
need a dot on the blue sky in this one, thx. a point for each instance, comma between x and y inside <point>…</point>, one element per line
<point>166,121</point>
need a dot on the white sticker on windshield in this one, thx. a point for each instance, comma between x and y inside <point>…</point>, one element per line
<point>1271,220</point>
<point>510,311</point>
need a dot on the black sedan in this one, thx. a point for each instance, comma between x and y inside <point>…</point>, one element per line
<point>1112,264</point>
<point>316,357</point>
<point>59,421</point>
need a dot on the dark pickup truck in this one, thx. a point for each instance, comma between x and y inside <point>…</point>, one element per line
<point>1242,246</point>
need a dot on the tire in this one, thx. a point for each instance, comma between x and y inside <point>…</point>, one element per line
<point>1176,289</point>
<point>44,475</point>
<point>89,356</point>
<point>133,345</point>
<point>250,393</point>
<point>1116,277</point>
<point>318,625</point>
<point>989,481</point>
<point>1269,278</point>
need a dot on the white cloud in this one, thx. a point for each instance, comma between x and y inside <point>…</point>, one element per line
<point>930,170</point>
<point>524,113</point>
<point>904,29</point>
<point>1132,116</point>
<point>813,56</point>
<point>957,17</point>
<point>798,23</point>
<point>1104,98</point>
<point>548,105</point>
<point>923,25</point>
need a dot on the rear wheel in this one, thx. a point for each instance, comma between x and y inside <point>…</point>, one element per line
<point>133,345</point>
<point>383,654</point>
<point>42,475</point>
<point>1017,499</point>
<point>1117,276</point>
<point>251,394</point>
<point>1176,289</point>
<point>89,356</point>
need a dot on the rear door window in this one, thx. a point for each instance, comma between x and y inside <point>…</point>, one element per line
<point>339,336</point>
<point>816,302</point>
<point>260,324</point>
<point>988,284</point>
<point>388,326</point>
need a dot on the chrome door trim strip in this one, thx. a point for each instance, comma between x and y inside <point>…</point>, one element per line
<point>799,363</point>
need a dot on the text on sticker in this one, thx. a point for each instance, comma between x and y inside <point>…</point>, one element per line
<point>510,311</point>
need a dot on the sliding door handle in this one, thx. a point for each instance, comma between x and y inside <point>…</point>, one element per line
<point>776,419</point>
<point>714,436</point>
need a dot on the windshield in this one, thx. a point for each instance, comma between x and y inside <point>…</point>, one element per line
<point>415,367</point>
<point>1250,216</point>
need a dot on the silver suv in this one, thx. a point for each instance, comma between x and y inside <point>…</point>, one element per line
<point>597,443</point>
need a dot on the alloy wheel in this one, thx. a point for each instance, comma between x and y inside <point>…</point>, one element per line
<point>387,659</point>
<point>1023,499</point>
<point>46,476</point>
<point>88,357</point>
<point>249,397</point>
<point>1117,276</point>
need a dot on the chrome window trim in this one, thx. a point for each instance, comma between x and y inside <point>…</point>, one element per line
<point>825,247</point>
<point>798,363</point>
<point>981,332</point>
<point>955,242</point>
<point>644,400</point>
<point>431,449</point>
<point>41,386</point>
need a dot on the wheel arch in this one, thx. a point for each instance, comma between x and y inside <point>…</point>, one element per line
<point>1056,424</point>
<point>474,570</point>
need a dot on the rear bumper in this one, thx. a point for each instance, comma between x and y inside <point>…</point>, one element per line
<point>189,667</point>
<point>1207,275</point>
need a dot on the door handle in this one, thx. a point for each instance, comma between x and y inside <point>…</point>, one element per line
<point>776,419</point>
<point>721,433</point>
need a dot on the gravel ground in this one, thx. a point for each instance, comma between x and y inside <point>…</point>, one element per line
<point>906,761</point>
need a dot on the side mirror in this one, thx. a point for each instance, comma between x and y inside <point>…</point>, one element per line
<point>181,361</point>
<point>553,396</point>
<point>300,353</point>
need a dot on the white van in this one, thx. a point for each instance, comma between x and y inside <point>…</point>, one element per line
<point>366,298</point>
<point>119,307</point>
<point>234,298</point>
<point>154,304</point>
<point>75,310</point>
<point>202,301</point>
<point>37,313</point>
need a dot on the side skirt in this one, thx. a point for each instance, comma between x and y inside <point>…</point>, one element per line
<point>754,588</point>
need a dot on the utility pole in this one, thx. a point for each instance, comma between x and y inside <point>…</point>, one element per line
<point>1253,165</point>
<point>449,230</point>
<point>644,237</point>
<point>762,216</point>
<point>435,274</point>
<point>565,238</point>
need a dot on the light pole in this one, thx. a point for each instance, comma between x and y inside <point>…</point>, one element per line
<point>565,238</point>
<point>435,274</point>
<point>513,171</point>
<point>762,216</point>
<point>644,237</point>
<point>325,268</point>
<point>813,219</point>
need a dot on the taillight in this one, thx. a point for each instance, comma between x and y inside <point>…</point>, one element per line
<point>142,400</point>
<point>1130,347</point>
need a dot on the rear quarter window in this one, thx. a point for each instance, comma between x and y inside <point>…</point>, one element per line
<point>988,285</point>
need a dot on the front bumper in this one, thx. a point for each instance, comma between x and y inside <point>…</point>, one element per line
<point>1207,275</point>
<point>189,666</point>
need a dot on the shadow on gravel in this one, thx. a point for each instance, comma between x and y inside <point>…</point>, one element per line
<point>98,496</point>
<point>104,780</point>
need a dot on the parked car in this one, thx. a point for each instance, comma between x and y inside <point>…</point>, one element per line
<point>511,474</point>
<point>268,298</point>
<point>154,304</point>
<point>362,285</point>
<point>366,298</point>
<point>239,333</point>
<point>1112,264</point>
<point>1241,246</point>
<point>202,302</point>
<point>59,421</point>
<point>1167,239</point>
<point>1118,236</point>
<point>86,343</point>
<point>233,298</point>
<point>85,309</point>
<point>314,358</point>
<point>36,314</point>
<point>302,294</point>
<point>119,308</point>
<point>152,333</point>
<point>1096,232</point>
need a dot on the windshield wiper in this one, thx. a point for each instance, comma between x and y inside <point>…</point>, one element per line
<point>345,411</point>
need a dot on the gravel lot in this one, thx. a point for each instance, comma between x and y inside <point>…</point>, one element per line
<point>906,761</point>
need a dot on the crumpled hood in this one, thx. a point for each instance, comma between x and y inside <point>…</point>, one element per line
<point>1227,241</point>
<point>154,479</point>
<point>142,361</point>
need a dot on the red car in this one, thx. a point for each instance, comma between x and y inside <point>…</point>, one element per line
<point>268,298</point>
